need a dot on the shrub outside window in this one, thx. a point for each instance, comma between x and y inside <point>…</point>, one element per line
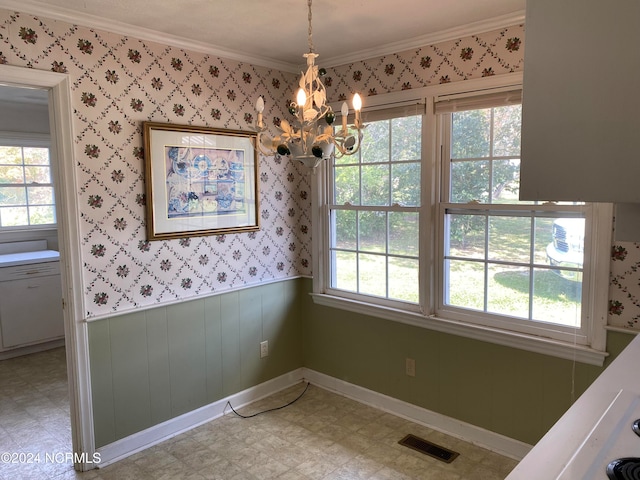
<point>424,226</point>
<point>504,260</point>
<point>26,187</point>
<point>375,213</point>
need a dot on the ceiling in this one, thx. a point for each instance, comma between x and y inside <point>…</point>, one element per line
<point>274,32</point>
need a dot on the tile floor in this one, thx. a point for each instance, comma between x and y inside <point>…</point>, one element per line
<point>322,436</point>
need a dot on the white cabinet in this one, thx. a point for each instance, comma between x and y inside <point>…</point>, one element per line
<point>581,101</point>
<point>30,304</point>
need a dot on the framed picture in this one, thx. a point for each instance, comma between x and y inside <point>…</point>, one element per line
<point>199,181</point>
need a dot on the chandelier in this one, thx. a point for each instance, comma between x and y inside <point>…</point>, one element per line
<point>307,139</point>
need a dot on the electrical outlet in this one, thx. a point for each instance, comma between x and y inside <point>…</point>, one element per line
<point>264,348</point>
<point>410,365</point>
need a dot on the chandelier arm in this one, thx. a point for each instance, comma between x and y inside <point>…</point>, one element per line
<point>344,151</point>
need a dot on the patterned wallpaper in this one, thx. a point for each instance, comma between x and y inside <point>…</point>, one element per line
<point>624,289</point>
<point>493,53</point>
<point>118,82</point>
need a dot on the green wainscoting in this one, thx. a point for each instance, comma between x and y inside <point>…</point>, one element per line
<point>509,391</point>
<point>150,366</point>
<point>153,365</point>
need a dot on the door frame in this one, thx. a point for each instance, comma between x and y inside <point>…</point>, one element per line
<point>75,326</point>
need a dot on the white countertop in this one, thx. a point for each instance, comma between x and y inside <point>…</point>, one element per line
<point>552,457</point>
<point>27,258</point>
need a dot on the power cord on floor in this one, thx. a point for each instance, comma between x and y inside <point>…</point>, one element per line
<point>270,409</point>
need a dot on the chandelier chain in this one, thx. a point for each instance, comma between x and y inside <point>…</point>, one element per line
<point>310,34</point>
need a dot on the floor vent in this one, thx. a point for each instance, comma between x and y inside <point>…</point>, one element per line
<point>423,446</point>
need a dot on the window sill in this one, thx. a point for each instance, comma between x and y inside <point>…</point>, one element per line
<point>545,346</point>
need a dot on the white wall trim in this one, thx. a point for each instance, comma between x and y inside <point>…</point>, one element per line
<point>469,433</point>
<point>39,347</point>
<point>92,21</point>
<point>201,296</point>
<point>75,17</point>
<point>76,337</point>
<point>461,31</point>
<point>139,441</point>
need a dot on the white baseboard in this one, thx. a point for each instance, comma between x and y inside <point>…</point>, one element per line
<point>163,431</point>
<point>158,433</point>
<point>40,347</point>
<point>469,433</point>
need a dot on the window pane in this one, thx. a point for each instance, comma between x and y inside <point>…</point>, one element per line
<point>345,229</point>
<point>406,137</point>
<point>508,290</point>
<point>543,237</point>
<point>13,196</point>
<point>14,216</point>
<point>471,134</point>
<point>375,142</point>
<point>10,156</point>
<point>470,181</point>
<point>375,184</point>
<point>556,299</point>
<point>347,185</point>
<point>505,184</point>
<point>40,195</point>
<point>379,185</point>
<point>403,233</point>
<point>37,175</point>
<point>372,229</point>
<point>345,271</point>
<point>373,274</point>
<point>519,262</point>
<point>11,174</point>
<point>510,239</point>
<point>507,122</point>
<point>36,156</point>
<point>405,184</point>
<point>44,215</point>
<point>466,236</point>
<point>32,202</point>
<point>464,286</point>
<point>566,248</point>
<point>403,279</point>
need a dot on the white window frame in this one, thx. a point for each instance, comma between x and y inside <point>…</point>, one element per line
<point>31,140</point>
<point>596,264</point>
<point>407,111</point>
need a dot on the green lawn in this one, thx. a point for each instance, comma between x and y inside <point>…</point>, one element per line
<point>553,299</point>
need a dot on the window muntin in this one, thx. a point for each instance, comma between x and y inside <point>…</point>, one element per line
<point>375,213</point>
<point>513,263</point>
<point>26,187</point>
<point>430,312</point>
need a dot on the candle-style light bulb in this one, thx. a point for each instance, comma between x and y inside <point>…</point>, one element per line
<point>344,110</point>
<point>357,106</point>
<point>301,98</point>
<point>259,109</point>
<point>357,102</point>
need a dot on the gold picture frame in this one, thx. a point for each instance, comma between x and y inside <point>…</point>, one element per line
<point>199,181</point>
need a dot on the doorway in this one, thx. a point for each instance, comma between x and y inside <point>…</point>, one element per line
<point>75,329</point>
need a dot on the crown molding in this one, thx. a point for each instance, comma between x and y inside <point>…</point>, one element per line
<point>475,28</point>
<point>92,21</point>
<point>112,26</point>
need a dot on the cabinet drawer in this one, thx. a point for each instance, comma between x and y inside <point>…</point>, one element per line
<point>28,271</point>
